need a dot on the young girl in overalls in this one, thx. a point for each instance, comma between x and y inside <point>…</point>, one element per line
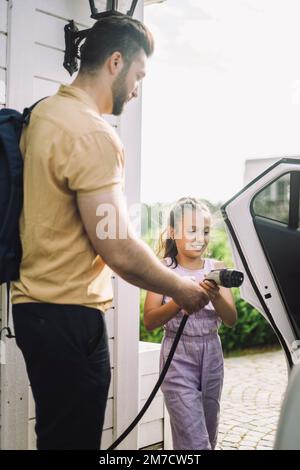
<point>193,384</point>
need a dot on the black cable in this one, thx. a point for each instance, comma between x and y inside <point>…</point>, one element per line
<point>156,387</point>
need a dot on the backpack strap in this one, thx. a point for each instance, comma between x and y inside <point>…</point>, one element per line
<point>27,111</point>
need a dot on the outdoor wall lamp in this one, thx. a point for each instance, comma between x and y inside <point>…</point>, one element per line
<point>73,37</point>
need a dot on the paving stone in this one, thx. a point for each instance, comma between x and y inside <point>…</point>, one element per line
<point>252,395</point>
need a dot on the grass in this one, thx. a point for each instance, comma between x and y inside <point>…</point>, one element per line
<point>252,351</point>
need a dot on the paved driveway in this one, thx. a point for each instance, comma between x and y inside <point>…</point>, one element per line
<point>252,394</point>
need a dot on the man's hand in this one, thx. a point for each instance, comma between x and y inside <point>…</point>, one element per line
<point>212,289</point>
<point>191,297</point>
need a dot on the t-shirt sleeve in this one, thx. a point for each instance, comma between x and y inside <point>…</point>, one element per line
<point>95,164</point>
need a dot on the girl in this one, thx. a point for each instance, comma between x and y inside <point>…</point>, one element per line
<point>193,384</point>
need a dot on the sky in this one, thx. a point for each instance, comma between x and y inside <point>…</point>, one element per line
<point>223,86</point>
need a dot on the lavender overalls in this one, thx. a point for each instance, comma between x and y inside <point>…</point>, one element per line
<point>193,384</point>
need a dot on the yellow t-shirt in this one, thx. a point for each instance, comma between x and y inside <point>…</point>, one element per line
<point>68,149</point>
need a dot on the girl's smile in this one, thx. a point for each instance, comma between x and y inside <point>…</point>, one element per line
<point>195,246</point>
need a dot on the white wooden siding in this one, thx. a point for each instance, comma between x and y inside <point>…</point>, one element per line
<point>3,16</point>
<point>2,50</point>
<point>155,424</point>
<point>151,426</point>
<point>150,433</point>
<point>2,87</point>
<point>109,318</point>
<point>3,46</point>
<point>3,43</point>
<point>12,393</point>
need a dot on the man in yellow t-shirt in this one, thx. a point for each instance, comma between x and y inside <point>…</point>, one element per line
<point>74,163</point>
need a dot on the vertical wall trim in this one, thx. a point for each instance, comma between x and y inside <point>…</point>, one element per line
<point>127,299</point>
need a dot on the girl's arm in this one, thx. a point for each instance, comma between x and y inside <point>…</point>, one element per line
<point>156,314</point>
<point>221,298</point>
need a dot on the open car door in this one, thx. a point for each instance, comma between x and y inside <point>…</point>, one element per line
<point>263,224</point>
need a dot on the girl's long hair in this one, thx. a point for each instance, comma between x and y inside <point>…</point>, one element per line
<point>166,244</point>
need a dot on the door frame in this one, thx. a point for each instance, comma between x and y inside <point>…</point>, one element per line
<point>225,208</point>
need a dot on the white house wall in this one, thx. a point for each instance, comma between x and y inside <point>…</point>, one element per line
<point>3,43</point>
<point>14,396</point>
<point>31,67</point>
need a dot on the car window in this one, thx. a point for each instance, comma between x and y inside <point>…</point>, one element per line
<point>274,200</point>
<point>280,241</point>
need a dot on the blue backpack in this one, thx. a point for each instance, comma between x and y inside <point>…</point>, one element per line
<point>11,196</point>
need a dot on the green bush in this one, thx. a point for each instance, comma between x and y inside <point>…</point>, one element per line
<point>251,329</point>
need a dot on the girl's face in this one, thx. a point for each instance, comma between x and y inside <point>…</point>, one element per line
<point>192,233</point>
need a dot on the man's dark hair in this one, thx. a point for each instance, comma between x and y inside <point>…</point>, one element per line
<point>114,33</point>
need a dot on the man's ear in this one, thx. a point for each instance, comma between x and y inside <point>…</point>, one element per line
<point>115,63</point>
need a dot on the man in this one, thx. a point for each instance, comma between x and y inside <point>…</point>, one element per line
<point>73,163</point>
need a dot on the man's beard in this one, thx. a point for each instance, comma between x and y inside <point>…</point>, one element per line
<point>120,93</point>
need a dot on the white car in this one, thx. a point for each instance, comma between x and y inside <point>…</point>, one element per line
<point>263,224</point>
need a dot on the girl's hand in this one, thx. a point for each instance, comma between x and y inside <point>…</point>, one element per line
<point>211,288</point>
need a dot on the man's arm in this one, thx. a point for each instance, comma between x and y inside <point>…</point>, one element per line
<point>129,256</point>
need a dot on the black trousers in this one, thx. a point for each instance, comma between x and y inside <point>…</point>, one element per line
<point>66,353</point>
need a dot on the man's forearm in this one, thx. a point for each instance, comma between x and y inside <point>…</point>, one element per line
<point>128,256</point>
<point>136,263</point>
